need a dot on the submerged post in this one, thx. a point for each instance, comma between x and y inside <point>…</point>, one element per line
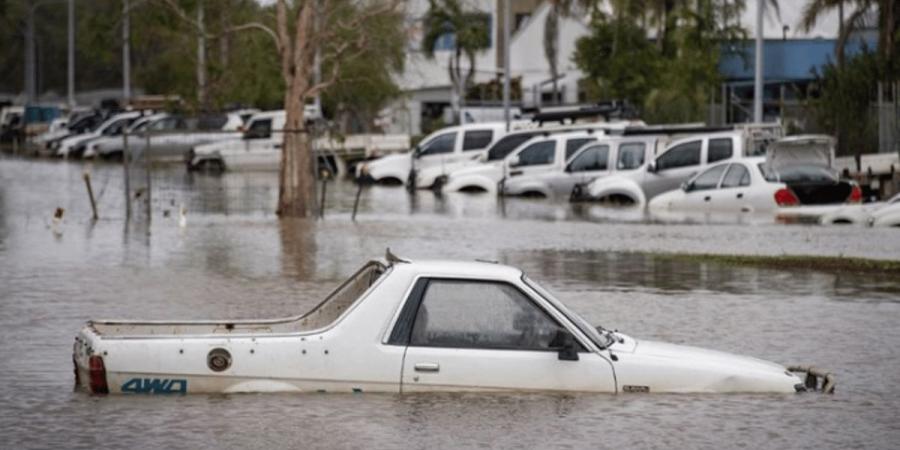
<point>90,191</point>
<point>324,175</point>
<point>126,168</point>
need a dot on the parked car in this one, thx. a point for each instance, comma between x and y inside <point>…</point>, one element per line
<point>681,160</point>
<point>400,326</point>
<point>750,186</point>
<point>112,146</point>
<point>258,148</point>
<point>436,154</point>
<point>168,138</point>
<point>609,155</point>
<point>877,214</point>
<point>70,146</point>
<point>540,154</point>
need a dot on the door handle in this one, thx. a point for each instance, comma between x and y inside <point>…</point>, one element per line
<point>740,195</point>
<point>515,172</point>
<point>427,367</point>
<point>706,199</point>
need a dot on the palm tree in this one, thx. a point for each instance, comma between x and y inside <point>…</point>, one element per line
<point>559,8</point>
<point>888,13</point>
<point>471,35</point>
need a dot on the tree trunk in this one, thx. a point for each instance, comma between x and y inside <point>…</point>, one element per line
<point>297,184</point>
<point>295,196</point>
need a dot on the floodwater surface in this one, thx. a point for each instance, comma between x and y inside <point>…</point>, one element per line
<point>234,259</point>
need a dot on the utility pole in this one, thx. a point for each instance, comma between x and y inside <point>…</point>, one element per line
<point>201,57</point>
<point>507,12</point>
<point>758,79</point>
<point>126,52</point>
<point>30,91</point>
<point>71,72</point>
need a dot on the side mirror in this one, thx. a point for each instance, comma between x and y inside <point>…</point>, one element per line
<point>417,152</point>
<point>514,161</point>
<point>686,186</point>
<point>565,343</point>
<point>651,167</point>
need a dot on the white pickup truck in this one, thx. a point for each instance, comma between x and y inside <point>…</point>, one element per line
<point>678,162</point>
<point>437,154</point>
<point>400,326</point>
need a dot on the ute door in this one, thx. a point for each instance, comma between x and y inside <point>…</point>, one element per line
<point>585,166</point>
<point>436,152</point>
<point>491,336</point>
<point>473,144</point>
<point>674,166</point>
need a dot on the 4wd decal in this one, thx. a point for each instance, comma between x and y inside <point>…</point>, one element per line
<point>641,389</point>
<point>155,386</point>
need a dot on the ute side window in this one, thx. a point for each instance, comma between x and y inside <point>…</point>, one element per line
<point>595,157</point>
<point>477,139</point>
<point>507,144</point>
<point>631,156</point>
<point>719,149</point>
<point>683,155</point>
<point>737,176</point>
<point>259,129</point>
<point>537,154</point>
<point>572,145</point>
<point>443,143</point>
<point>483,315</point>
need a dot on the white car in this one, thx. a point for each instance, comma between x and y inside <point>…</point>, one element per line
<point>170,137</point>
<point>438,153</point>
<point>611,154</point>
<point>681,160</point>
<point>541,154</point>
<point>259,148</point>
<point>879,214</point>
<point>413,326</point>
<point>110,127</point>
<point>112,146</point>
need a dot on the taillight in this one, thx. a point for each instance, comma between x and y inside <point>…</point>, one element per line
<point>786,197</point>
<point>97,375</point>
<point>855,195</point>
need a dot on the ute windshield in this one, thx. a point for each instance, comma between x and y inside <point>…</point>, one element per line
<point>601,340</point>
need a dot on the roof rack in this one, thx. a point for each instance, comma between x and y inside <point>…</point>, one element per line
<point>606,110</point>
<point>674,129</point>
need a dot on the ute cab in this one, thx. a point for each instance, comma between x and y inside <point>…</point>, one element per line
<point>411,326</point>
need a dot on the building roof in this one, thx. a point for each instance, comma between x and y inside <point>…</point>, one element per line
<point>784,60</point>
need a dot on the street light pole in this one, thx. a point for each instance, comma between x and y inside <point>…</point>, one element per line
<point>30,91</point>
<point>126,52</point>
<point>506,69</point>
<point>71,73</point>
<point>758,79</point>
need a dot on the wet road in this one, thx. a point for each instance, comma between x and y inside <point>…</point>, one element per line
<point>233,259</point>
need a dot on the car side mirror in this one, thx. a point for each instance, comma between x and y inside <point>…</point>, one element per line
<point>687,186</point>
<point>514,161</point>
<point>565,343</point>
<point>651,167</point>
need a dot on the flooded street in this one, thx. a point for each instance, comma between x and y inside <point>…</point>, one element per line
<point>234,259</point>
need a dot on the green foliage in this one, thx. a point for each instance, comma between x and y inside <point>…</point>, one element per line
<point>844,100</point>
<point>621,62</point>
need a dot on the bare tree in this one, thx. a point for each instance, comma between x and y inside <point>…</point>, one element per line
<point>347,30</point>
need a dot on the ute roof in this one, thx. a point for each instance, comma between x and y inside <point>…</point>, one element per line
<point>456,268</point>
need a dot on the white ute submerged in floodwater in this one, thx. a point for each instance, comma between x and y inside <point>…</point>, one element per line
<point>404,326</point>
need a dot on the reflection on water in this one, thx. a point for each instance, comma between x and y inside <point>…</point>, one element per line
<point>233,259</point>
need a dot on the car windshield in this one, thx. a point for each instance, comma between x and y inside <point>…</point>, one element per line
<point>601,340</point>
<point>799,174</point>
